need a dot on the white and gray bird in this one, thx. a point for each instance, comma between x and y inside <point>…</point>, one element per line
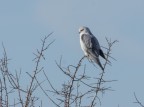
<point>90,45</point>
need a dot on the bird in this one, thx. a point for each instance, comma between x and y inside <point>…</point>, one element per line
<point>90,46</point>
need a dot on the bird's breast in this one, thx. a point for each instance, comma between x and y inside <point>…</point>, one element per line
<point>83,47</point>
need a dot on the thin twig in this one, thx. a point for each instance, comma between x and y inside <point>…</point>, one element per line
<point>137,101</point>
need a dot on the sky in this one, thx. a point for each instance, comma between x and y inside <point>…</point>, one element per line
<point>24,23</point>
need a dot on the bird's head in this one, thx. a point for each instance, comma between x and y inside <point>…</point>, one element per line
<point>84,30</point>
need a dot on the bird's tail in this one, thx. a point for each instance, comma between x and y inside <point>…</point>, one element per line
<point>96,60</point>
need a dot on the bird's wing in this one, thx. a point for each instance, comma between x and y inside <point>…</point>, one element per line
<point>95,45</point>
<point>102,54</point>
<point>97,48</point>
<point>91,44</point>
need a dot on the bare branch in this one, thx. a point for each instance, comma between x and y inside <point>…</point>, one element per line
<point>137,101</point>
<point>39,55</point>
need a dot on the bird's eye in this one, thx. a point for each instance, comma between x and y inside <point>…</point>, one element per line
<point>81,30</point>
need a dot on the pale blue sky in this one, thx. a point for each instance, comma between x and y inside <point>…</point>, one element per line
<point>24,23</point>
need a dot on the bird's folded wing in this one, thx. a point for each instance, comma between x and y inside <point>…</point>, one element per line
<point>91,43</point>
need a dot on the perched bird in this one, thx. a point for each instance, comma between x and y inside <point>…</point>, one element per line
<point>90,45</point>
